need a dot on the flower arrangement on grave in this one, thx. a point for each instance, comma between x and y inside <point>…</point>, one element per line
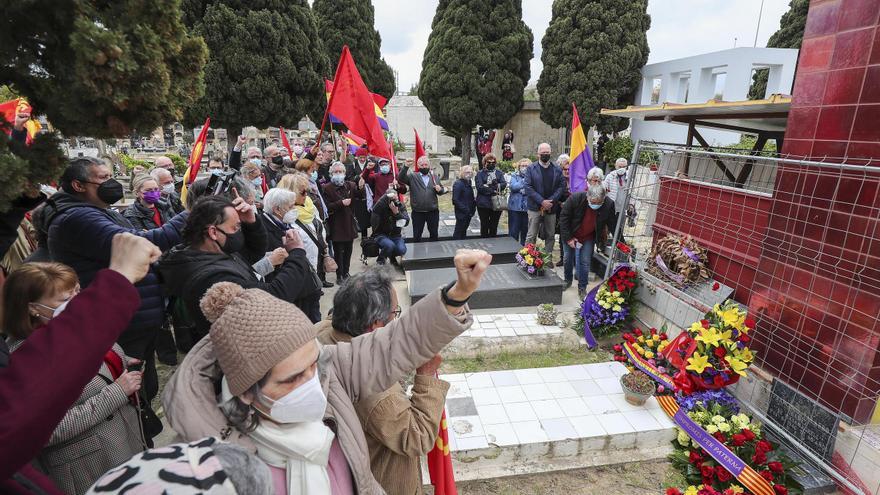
<point>637,387</point>
<point>532,259</point>
<point>680,260</point>
<point>647,346</point>
<point>546,315</point>
<point>611,308</point>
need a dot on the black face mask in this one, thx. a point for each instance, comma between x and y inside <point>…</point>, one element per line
<point>234,242</point>
<point>278,160</point>
<point>424,171</point>
<point>545,158</point>
<point>490,165</point>
<point>110,191</point>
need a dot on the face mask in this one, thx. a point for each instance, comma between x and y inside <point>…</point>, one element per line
<point>278,160</point>
<point>152,197</point>
<point>522,171</point>
<point>338,179</point>
<point>258,181</point>
<point>168,188</point>
<point>297,150</point>
<point>291,216</point>
<point>490,165</point>
<point>216,171</point>
<point>314,176</point>
<point>55,311</point>
<point>595,206</point>
<point>256,161</point>
<point>545,157</point>
<point>234,242</point>
<point>424,171</point>
<point>384,168</point>
<point>362,163</point>
<point>303,404</point>
<point>110,191</point>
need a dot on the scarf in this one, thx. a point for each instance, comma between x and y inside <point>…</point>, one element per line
<point>302,449</point>
<point>307,210</point>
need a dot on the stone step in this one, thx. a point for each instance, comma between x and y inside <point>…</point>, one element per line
<point>441,254</point>
<point>497,333</point>
<point>502,286</point>
<point>506,423</point>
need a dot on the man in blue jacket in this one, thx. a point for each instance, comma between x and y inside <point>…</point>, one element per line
<point>81,227</point>
<point>544,185</point>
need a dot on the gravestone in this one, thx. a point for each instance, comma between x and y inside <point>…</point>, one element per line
<point>440,254</point>
<point>814,426</point>
<point>446,228</point>
<point>503,286</point>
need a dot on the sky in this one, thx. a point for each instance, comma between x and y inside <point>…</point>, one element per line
<point>679,28</point>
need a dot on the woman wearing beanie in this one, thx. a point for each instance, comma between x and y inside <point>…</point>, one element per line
<point>291,400</point>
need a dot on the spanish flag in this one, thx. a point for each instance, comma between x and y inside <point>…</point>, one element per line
<point>379,102</point>
<point>195,160</point>
<point>440,463</point>
<point>11,109</point>
<point>581,161</point>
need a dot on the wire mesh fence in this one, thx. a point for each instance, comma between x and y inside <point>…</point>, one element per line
<point>797,243</point>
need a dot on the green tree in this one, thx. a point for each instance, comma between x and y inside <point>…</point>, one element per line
<point>476,65</point>
<point>789,35</point>
<point>593,53</point>
<point>350,22</point>
<point>93,68</point>
<point>266,64</point>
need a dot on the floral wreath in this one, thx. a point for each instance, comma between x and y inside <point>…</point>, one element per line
<point>680,260</point>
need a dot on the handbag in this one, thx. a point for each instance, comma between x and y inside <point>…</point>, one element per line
<point>369,247</point>
<point>330,265</point>
<point>150,423</point>
<point>499,202</point>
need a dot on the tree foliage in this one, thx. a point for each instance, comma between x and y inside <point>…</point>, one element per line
<point>789,35</point>
<point>593,53</point>
<point>350,22</point>
<point>476,65</point>
<point>266,62</point>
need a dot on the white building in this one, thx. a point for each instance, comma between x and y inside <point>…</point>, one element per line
<point>724,75</point>
<point>405,113</point>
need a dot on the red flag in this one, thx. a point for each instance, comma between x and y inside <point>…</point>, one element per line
<point>195,160</point>
<point>285,142</point>
<point>353,104</point>
<point>440,463</point>
<point>420,148</point>
<point>10,111</point>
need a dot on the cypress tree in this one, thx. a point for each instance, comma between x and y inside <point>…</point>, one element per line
<point>476,65</point>
<point>266,63</point>
<point>593,53</point>
<point>789,35</point>
<point>350,22</point>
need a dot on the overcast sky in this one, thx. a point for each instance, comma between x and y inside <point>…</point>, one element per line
<point>679,28</point>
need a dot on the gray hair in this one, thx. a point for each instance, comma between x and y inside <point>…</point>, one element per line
<point>157,173</point>
<point>463,169</point>
<point>271,149</point>
<point>240,415</point>
<point>246,471</point>
<point>422,159</point>
<point>595,172</point>
<point>363,300</point>
<point>596,191</point>
<point>563,158</point>
<point>619,161</point>
<point>244,187</point>
<point>337,165</point>
<point>278,198</point>
<point>253,148</point>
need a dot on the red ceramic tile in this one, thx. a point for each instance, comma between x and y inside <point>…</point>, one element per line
<point>867,124</point>
<point>866,150</point>
<point>815,54</point>
<point>871,88</point>
<point>858,13</point>
<point>844,86</point>
<point>850,49</point>
<point>875,51</point>
<point>822,19</point>
<point>829,149</point>
<point>809,89</point>
<point>797,147</point>
<point>835,123</point>
<point>801,125</point>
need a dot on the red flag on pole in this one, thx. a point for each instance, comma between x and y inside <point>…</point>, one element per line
<point>353,104</point>
<point>285,142</point>
<point>420,148</point>
<point>440,463</point>
<point>195,160</point>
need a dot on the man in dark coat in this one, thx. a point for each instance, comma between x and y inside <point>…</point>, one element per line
<point>545,184</point>
<point>388,219</point>
<point>81,226</point>
<point>585,219</point>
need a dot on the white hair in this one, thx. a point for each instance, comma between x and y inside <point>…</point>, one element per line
<point>252,149</point>
<point>157,173</point>
<point>271,149</point>
<point>563,158</point>
<point>463,169</point>
<point>422,159</point>
<point>337,165</point>
<point>596,191</point>
<point>620,163</point>
<point>595,172</point>
<point>278,198</point>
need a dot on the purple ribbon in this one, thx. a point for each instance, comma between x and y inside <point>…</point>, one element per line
<point>636,360</point>
<point>716,449</point>
<point>667,271</point>
<point>588,302</point>
<point>690,254</point>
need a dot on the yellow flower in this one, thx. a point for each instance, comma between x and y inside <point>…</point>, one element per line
<point>712,429</point>
<point>529,259</point>
<point>649,355</point>
<point>744,355</point>
<point>663,345</point>
<point>642,339</point>
<point>736,365</point>
<point>730,316</point>
<point>736,489</point>
<point>724,427</point>
<point>616,307</point>
<point>709,336</point>
<point>683,438</point>
<point>691,490</point>
<point>718,419</point>
<point>616,293</point>
<point>696,327</point>
<point>698,363</point>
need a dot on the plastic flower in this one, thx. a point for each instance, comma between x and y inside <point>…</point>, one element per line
<point>736,365</point>
<point>698,363</point>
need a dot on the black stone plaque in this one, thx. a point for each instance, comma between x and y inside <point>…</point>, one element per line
<point>446,228</point>
<point>502,287</point>
<point>813,425</point>
<point>813,480</point>
<point>425,255</point>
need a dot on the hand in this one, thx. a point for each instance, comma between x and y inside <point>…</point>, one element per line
<point>242,139</point>
<point>394,184</point>
<point>292,240</point>
<point>361,183</point>
<point>346,201</point>
<point>133,362</point>
<point>245,211</point>
<point>572,242</point>
<point>371,165</point>
<point>394,208</point>
<point>438,187</point>
<point>430,368</point>
<point>278,256</point>
<point>314,150</point>
<point>470,265</point>
<point>130,381</point>
<point>546,205</point>
<point>131,255</point>
<point>20,121</point>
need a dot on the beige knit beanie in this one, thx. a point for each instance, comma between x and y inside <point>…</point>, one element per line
<point>252,331</point>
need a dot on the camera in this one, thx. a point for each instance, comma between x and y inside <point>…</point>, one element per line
<point>221,183</point>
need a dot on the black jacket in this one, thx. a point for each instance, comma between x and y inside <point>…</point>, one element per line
<point>141,217</point>
<point>573,214</point>
<point>189,273</point>
<point>384,222</point>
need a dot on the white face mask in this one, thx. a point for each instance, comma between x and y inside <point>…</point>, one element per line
<point>303,404</point>
<point>55,311</point>
<point>168,188</point>
<point>291,216</point>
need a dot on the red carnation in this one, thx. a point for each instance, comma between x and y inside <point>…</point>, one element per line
<point>720,352</point>
<point>539,262</point>
<point>780,490</point>
<point>745,339</point>
<point>716,286</point>
<point>767,475</point>
<point>705,323</point>
<point>663,336</point>
<point>694,457</point>
<point>738,439</point>
<point>763,446</point>
<point>749,322</point>
<point>707,472</point>
<point>618,348</point>
<point>718,381</point>
<point>631,274</point>
<point>672,491</point>
<point>723,474</point>
<point>720,436</point>
<point>759,458</point>
<point>776,467</point>
<point>638,331</point>
<point>748,434</point>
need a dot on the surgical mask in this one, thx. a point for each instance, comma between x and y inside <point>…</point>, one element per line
<point>234,242</point>
<point>291,216</point>
<point>55,311</point>
<point>545,157</point>
<point>110,191</point>
<point>297,150</point>
<point>168,188</point>
<point>256,161</point>
<point>314,176</point>
<point>303,404</point>
<point>258,181</point>
<point>384,168</point>
<point>152,197</point>
<point>595,206</point>
<point>216,171</point>
<point>338,179</point>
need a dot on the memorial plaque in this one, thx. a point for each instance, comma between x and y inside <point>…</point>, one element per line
<point>446,228</point>
<point>440,254</point>
<point>814,426</point>
<point>813,480</point>
<point>503,286</point>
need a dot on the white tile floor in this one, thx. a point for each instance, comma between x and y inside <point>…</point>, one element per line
<point>547,404</point>
<point>508,325</point>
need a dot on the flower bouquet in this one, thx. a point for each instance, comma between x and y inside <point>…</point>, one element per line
<point>532,260</point>
<point>649,346</point>
<point>610,308</point>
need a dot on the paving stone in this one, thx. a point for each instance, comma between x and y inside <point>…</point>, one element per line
<point>461,406</point>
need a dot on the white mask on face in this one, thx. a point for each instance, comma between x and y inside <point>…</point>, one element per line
<point>291,216</point>
<point>55,311</point>
<point>303,404</point>
<point>168,188</point>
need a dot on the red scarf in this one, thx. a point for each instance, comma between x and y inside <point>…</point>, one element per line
<point>114,363</point>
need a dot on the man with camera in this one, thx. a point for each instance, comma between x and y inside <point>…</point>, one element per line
<point>388,219</point>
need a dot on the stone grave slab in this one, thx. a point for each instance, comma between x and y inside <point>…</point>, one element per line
<point>503,286</point>
<point>439,254</point>
<point>446,228</point>
<point>493,334</point>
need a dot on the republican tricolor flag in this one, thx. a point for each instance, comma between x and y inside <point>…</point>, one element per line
<point>440,463</point>
<point>581,161</point>
<point>353,142</point>
<point>11,109</point>
<point>195,160</point>
<point>379,102</point>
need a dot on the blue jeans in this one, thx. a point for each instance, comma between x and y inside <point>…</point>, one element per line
<point>585,255</point>
<point>518,225</point>
<point>390,246</point>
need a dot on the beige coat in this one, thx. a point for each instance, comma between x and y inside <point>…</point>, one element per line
<point>99,432</point>
<point>399,429</point>
<point>349,372</point>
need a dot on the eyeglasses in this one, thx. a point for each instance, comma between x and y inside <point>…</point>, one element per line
<point>397,312</point>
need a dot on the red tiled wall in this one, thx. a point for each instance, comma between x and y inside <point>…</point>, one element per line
<point>817,288</point>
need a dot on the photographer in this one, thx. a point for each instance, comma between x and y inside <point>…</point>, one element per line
<point>388,219</point>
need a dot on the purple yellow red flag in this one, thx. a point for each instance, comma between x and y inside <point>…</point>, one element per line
<point>195,160</point>
<point>353,142</point>
<point>12,108</point>
<point>440,463</point>
<point>378,100</point>
<point>581,160</point>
